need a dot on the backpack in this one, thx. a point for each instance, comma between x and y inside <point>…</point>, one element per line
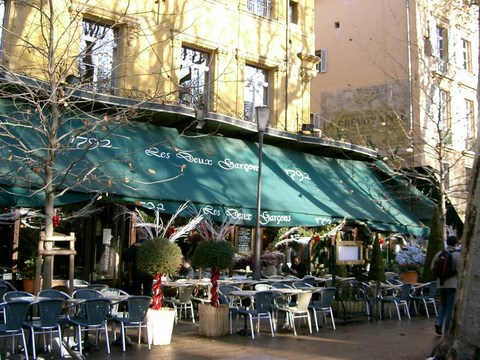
<point>443,266</point>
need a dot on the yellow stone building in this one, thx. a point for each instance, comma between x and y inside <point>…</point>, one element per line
<point>401,77</point>
<point>194,58</point>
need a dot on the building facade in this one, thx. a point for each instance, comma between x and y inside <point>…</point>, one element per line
<point>401,77</point>
<point>224,57</point>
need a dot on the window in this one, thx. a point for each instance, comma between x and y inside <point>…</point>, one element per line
<point>98,56</point>
<point>466,55</point>
<point>444,118</point>
<point>470,122</point>
<point>442,48</point>
<point>322,64</point>
<point>259,7</point>
<point>255,90</point>
<point>194,77</point>
<point>293,11</point>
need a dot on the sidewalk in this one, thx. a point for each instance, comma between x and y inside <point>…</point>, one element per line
<point>382,339</point>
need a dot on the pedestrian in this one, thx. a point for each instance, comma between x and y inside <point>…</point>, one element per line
<point>139,283</point>
<point>448,289</point>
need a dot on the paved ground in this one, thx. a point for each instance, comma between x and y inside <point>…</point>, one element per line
<point>381,339</point>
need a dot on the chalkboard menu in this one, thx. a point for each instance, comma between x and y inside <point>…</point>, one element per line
<point>244,240</point>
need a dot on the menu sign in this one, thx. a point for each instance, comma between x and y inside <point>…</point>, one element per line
<point>244,240</point>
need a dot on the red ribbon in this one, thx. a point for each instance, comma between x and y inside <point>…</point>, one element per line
<point>214,290</point>
<point>157,294</point>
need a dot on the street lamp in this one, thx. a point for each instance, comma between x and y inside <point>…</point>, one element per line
<point>262,114</point>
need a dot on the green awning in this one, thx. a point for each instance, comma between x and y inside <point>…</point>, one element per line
<point>160,168</point>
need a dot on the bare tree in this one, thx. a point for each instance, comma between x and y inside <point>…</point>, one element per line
<point>55,66</point>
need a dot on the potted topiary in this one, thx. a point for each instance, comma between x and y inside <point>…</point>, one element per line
<point>158,257</point>
<point>214,253</point>
<point>161,256</point>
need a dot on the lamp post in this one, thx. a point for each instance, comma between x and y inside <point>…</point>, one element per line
<point>262,113</point>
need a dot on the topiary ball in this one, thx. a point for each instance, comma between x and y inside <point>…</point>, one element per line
<point>213,254</point>
<point>159,256</point>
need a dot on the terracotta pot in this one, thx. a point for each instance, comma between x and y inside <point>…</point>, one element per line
<point>29,285</point>
<point>410,277</point>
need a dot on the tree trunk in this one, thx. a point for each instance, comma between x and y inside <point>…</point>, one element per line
<point>463,341</point>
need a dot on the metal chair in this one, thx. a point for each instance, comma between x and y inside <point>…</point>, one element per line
<point>136,318</point>
<point>400,296</point>
<point>183,301</point>
<point>425,294</point>
<point>226,290</point>
<point>323,305</point>
<point>299,311</point>
<point>14,314</point>
<point>110,293</point>
<point>232,310</point>
<point>262,309</point>
<point>48,322</point>
<point>93,318</point>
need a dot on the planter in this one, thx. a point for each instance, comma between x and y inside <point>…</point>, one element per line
<point>213,321</point>
<point>410,277</point>
<point>160,325</point>
<point>29,285</point>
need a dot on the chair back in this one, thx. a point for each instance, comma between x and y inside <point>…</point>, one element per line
<point>405,291</point>
<point>303,301</point>
<point>326,297</point>
<point>15,313</point>
<point>54,294</point>
<point>227,289</point>
<point>96,311</point>
<point>301,284</point>
<point>432,291</point>
<point>138,307</point>
<point>263,301</point>
<point>78,283</point>
<point>3,290</point>
<point>11,295</point>
<point>9,286</point>
<point>98,287</point>
<point>49,311</point>
<point>87,294</point>
<point>280,285</point>
<point>185,293</point>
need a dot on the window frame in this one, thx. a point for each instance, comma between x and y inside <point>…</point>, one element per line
<point>471,125</point>
<point>466,55</point>
<point>96,80</point>
<point>195,94</point>
<point>260,7</point>
<point>442,48</point>
<point>259,84</point>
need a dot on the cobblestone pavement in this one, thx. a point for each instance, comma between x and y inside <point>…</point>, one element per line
<point>382,339</point>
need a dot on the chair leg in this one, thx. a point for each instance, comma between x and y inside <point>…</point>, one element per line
<point>315,318</point>
<point>309,322</point>
<point>333,319</point>
<point>251,326</point>
<point>34,351</point>
<point>24,342</point>
<point>122,334</point>
<point>271,324</point>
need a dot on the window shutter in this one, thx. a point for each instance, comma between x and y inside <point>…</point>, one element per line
<point>323,60</point>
